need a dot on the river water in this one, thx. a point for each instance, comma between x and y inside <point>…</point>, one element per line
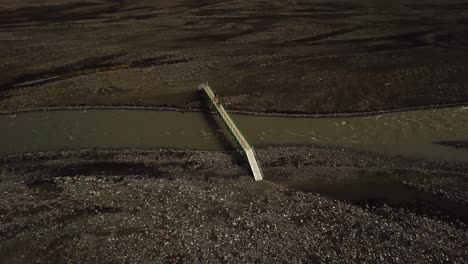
<point>409,134</point>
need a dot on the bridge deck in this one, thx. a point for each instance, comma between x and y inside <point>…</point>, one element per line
<point>249,151</point>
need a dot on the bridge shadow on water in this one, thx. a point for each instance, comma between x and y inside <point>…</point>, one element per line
<point>221,138</point>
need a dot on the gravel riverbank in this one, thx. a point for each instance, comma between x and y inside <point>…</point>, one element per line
<point>301,57</point>
<point>171,206</point>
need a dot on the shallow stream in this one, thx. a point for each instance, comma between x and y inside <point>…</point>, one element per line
<point>409,134</point>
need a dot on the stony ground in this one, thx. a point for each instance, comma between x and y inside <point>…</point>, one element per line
<point>185,207</point>
<point>268,56</point>
<point>316,205</point>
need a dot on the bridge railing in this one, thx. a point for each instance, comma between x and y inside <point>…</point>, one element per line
<point>233,128</point>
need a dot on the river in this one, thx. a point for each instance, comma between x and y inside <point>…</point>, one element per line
<point>409,134</point>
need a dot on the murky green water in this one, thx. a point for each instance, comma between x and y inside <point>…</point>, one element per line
<point>410,134</point>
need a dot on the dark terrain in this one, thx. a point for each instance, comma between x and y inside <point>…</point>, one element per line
<point>316,204</point>
<point>171,206</point>
<point>264,56</point>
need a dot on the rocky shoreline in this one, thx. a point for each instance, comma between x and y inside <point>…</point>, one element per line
<point>299,58</point>
<point>199,108</point>
<point>196,206</point>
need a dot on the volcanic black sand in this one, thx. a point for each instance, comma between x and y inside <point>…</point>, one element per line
<point>316,204</point>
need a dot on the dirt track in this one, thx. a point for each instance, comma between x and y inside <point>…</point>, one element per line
<point>273,56</point>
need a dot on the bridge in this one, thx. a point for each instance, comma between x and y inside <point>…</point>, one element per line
<point>241,140</point>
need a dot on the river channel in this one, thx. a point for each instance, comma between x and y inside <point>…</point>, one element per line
<point>412,134</point>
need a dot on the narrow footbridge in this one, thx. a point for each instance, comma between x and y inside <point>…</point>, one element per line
<point>248,149</point>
